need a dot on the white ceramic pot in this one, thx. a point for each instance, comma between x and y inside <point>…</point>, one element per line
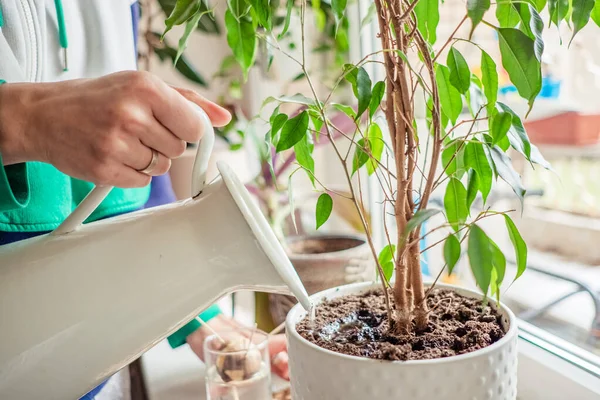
<point>319,374</point>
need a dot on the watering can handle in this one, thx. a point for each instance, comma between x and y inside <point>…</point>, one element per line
<point>99,193</point>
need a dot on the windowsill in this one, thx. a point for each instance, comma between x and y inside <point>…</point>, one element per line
<point>553,369</point>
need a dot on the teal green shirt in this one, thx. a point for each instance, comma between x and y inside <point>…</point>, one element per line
<point>36,197</point>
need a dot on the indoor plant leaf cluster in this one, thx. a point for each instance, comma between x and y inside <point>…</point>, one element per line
<point>462,154</point>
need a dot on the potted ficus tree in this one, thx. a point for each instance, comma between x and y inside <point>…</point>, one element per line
<point>400,336</point>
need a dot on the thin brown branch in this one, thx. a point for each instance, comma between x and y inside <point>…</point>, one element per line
<point>441,50</point>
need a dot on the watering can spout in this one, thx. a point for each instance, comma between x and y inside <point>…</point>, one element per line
<point>265,236</point>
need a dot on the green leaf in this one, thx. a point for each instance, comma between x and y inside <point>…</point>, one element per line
<point>288,17</point>
<point>505,170</point>
<point>472,188</point>
<point>460,76</point>
<point>190,25</point>
<point>363,91</point>
<point>507,14</point>
<point>558,10</point>
<point>516,134</point>
<point>538,4</point>
<point>475,98</point>
<point>450,99</point>
<point>241,38</point>
<point>475,11</point>
<point>184,10</point>
<point>455,203</point>
<point>295,99</point>
<point>538,158</point>
<point>533,25</point>
<point>501,123</point>
<point>350,74</point>
<point>388,270</point>
<point>475,158</point>
<point>387,254</point>
<point>428,17</point>
<point>338,7</point>
<point>324,207</point>
<point>582,10</point>
<point>518,244</point>
<point>206,24</point>
<point>303,150</point>
<point>360,155</point>
<point>480,257</point>
<point>418,219</point>
<point>262,8</point>
<point>320,19</point>
<point>317,123</point>
<point>349,111</point>
<point>277,123</point>
<point>386,260</point>
<point>371,12</point>
<point>454,164</point>
<point>499,265</point>
<point>504,143</point>
<point>299,77</point>
<point>293,131</point>
<point>376,143</point>
<point>489,77</point>
<point>239,8</point>
<point>520,62</point>
<point>451,252</point>
<point>184,67</point>
<point>596,13</point>
<point>377,96</point>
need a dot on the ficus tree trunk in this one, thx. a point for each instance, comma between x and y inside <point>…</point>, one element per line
<point>398,30</point>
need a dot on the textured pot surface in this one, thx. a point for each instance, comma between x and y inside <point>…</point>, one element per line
<point>319,374</point>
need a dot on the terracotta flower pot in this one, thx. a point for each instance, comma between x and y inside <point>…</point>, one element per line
<point>570,128</point>
<point>319,374</point>
<point>323,262</point>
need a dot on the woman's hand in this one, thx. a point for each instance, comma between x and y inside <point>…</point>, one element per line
<point>277,343</point>
<point>101,130</point>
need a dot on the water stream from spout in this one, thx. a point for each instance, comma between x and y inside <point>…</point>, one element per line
<point>312,315</point>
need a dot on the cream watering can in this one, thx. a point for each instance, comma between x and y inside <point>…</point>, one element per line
<point>82,302</point>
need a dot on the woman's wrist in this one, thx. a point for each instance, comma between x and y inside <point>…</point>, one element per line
<point>15,111</point>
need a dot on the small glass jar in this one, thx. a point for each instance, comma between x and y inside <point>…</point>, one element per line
<point>238,366</point>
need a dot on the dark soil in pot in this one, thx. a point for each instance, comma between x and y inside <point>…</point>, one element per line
<point>357,325</point>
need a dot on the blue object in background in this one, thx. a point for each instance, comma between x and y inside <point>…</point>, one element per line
<point>550,88</point>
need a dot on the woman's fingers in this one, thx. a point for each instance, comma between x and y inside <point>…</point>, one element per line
<point>120,175</point>
<point>161,139</point>
<point>280,365</point>
<point>134,154</point>
<point>279,355</point>
<point>175,113</point>
<point>218,115</point>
